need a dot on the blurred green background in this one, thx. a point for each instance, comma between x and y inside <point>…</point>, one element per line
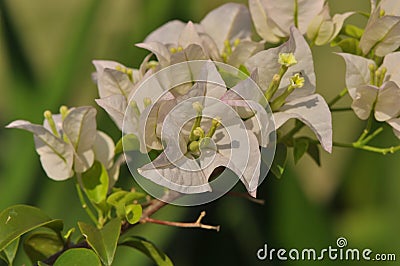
<point>46,48</point>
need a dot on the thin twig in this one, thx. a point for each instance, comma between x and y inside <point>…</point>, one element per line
<point>338,97</point>
<point>196,224</point>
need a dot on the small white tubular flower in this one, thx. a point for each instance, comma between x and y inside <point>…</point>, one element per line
<point>64,144</point>
<point>382,32</point>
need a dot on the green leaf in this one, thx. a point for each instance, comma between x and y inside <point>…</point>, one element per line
<point>78,257</point>
<point>103,241</point>
<point>352,31</point>
<point>20,219</point>
<point>148,248</point>
<point>120,199</point>
<point>300,148</point>
<point>41,245</point>
<point>133,212</point>
<point>313,151</point>
<point>8,254</point>
<point>280,159</point>
<point>95,182</point>
<point>154,154</point>
<point>349,45</point>
<point>128,143</point>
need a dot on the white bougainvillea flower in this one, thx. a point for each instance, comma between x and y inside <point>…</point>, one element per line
<point>67,147</point>
<point>189,173</point>
<point>374,89</point>
<point>359,71</point>
<point>267,64</point>
<point>181,166</point>
<point>230,29</point>
<point>323,29</point>
<point>56,156</point>
<point>382,33</point>
<point>273,18</point>
<point>302,103</point>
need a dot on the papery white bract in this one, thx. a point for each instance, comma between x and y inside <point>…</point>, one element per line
<point>302,104</point>
<point>56,156</point>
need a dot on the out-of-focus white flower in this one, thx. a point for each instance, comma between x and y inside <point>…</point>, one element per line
<point>273,19</point>
<point>382,33</point>
<point>223,35</point>
<point>173,43</point>
<point>323,28</point>
<point>230,29</point>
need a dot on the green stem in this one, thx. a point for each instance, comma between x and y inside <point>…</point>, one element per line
<point>338,97</point>
<point>367,128</point>
<point>372,136</point>
<point>84,204</point>
<point>276,81</point>
<point>383,151</point>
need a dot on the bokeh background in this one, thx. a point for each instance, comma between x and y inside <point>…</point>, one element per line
<point>46,48</point>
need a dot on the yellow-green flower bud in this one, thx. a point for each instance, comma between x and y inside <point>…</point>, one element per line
<point>236,42</point>
<point>146,101</point>
<point>133,105</point>
<point>173,50</point>
<point>63,111</point>
<point>194,146</point>
<point>49,117</point>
